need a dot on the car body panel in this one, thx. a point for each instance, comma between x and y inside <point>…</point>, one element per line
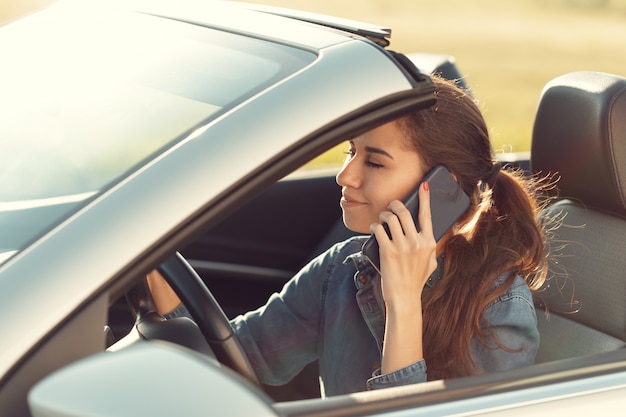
<point>469,396</point>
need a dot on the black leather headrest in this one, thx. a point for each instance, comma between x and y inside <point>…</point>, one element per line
<point>580,134</point>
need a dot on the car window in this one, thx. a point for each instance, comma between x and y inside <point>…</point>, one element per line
<point>89,101</point>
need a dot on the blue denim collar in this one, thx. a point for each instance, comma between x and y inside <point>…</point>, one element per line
<point>365,272</point>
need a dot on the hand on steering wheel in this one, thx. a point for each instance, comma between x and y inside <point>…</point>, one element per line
<point>206,312</point>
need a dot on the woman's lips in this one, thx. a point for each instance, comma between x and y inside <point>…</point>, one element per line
<point>347,202</point>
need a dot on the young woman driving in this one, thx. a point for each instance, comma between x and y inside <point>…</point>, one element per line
<point>462,305</point>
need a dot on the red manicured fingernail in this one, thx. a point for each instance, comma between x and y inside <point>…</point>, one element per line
<point>425,185</point>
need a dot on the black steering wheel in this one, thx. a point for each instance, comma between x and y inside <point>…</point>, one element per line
<point>206,312</point>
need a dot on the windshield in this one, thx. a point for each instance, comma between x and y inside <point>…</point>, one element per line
<point>86,101</point>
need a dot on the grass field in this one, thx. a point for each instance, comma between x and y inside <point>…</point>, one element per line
<point>507,50</point>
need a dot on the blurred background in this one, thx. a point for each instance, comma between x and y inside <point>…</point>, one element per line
<point>507,50</point>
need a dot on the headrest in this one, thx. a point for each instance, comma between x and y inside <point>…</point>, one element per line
<point>580,135</point>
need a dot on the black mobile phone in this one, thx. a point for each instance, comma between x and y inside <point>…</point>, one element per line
<point>448,202</point>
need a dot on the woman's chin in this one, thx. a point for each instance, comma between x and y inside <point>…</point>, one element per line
<point>356,228</point>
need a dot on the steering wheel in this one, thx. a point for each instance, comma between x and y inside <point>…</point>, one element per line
<point>206,312</point>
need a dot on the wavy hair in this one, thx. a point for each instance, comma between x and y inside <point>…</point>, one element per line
<point>499,234</point>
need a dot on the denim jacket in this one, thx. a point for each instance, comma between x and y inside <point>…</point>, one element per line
<point>333,311</point>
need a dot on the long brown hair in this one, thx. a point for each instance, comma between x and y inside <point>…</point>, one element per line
<point>500,232</point>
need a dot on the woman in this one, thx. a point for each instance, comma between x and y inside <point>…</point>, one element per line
<point>461,305</point>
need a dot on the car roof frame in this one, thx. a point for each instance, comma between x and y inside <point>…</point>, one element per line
<point>375,33</point>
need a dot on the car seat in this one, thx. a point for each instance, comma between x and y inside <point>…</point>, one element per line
<point>580,135</point>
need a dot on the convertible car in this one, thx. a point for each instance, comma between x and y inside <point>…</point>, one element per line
<point>178,136</point>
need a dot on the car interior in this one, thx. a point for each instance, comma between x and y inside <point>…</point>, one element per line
<point>579,134</point>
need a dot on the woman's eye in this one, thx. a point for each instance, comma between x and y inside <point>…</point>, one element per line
<point>350,153</point>
<point>373,164</point>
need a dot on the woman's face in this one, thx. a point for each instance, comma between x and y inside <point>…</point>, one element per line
<point>380,167</point>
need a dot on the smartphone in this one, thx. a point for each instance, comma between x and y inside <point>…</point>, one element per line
<point>448,202</point>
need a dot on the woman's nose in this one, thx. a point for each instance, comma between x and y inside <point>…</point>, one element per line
<point>347,176</point>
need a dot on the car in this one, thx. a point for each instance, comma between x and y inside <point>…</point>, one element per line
<point>178,135</point>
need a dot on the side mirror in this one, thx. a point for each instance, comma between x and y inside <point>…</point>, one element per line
<point>152,378</point>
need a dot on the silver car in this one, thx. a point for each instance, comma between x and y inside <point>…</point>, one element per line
<point>141,135</point>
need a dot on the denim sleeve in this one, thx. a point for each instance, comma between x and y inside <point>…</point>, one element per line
<point>512,321</point>
<point>412,374</point>
<point>282,337</point>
